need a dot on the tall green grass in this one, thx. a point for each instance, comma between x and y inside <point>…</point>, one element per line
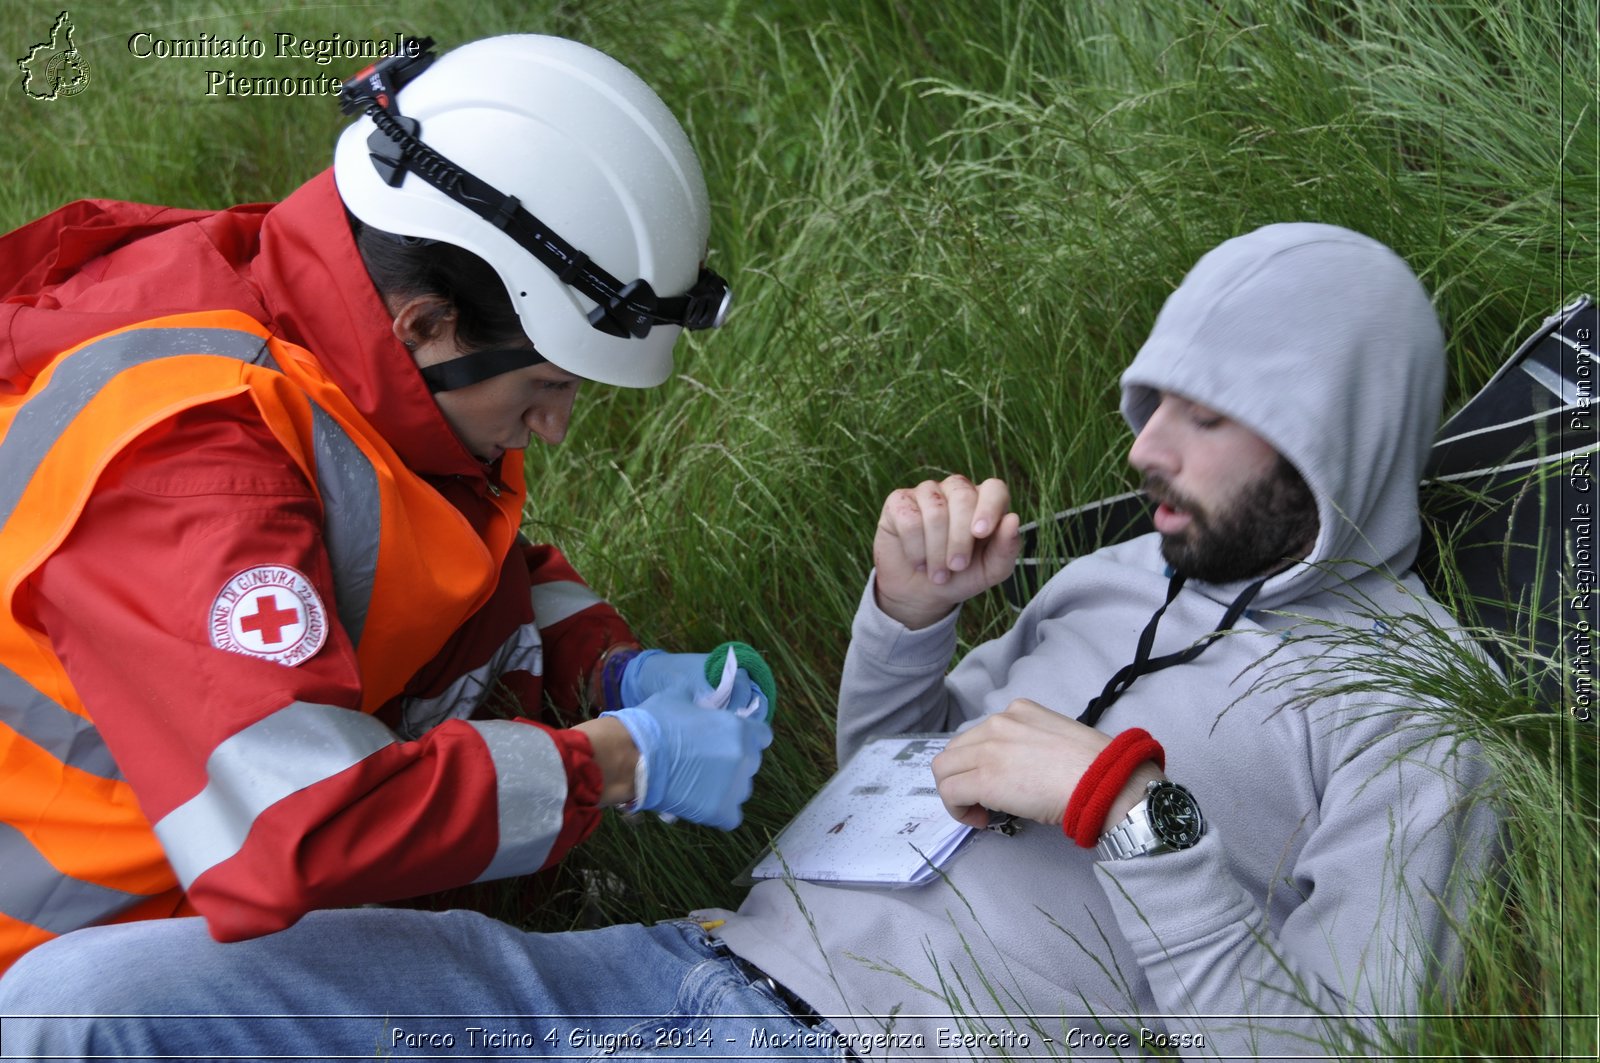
<point>949,225</point>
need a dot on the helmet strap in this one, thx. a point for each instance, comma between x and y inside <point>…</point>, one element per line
<point>477,367</point>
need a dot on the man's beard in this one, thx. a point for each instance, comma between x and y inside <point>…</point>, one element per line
<point>1272,522</point>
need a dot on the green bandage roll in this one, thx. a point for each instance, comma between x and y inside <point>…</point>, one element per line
<point>754,665</point>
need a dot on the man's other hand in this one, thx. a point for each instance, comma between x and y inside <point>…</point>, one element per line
<point>939,544</point>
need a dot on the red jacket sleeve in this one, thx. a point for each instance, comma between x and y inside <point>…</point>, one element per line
<point>577,627</point>
<point>271,794</point>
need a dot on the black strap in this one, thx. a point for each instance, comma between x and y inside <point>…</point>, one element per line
<point>1142,664</point>
<point>477,366</point>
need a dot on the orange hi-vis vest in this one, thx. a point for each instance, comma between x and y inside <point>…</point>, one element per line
<point>408,569</point>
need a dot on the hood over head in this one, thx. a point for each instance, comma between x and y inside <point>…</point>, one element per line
<point>1324,343</point>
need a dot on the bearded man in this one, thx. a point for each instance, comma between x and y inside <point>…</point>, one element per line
<point>1309,855</point>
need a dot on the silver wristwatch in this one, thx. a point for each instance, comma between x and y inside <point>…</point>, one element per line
<point>1167,819</point>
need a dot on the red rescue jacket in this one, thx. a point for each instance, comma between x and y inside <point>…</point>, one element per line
<point>257,589</point>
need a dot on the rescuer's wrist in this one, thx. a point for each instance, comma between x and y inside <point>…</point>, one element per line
<point>617,757</point>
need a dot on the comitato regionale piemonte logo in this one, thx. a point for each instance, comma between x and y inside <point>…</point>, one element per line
<point>55,68</point>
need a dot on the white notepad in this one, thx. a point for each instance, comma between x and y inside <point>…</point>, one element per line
<point>878,822</point>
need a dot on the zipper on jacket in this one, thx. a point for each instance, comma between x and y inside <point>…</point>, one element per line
<point>491,481</point>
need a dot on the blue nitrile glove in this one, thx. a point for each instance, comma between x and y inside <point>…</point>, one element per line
<point>749,690</point>
<point>697,763</point>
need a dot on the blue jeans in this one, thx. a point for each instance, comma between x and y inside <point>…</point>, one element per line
<point>376,983</point>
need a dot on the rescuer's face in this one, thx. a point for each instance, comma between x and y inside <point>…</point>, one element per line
<point>502,413</point>
<point>509,411</point>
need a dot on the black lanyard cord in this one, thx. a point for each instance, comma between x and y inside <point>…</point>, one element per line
<point>1142,664</point>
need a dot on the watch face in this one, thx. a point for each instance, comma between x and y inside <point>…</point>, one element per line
<point>1175,816</point>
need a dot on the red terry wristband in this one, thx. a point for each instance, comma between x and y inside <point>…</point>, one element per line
<point>1085,817</point>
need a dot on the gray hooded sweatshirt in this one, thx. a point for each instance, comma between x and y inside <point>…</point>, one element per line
<point>1324,891</point>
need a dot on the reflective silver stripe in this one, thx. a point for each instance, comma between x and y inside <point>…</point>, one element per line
<point>1555,383</point>
<point>1514,466</point>
<point>531,789</point>
<point>33,891</point>
<point>352,519</point>
<point>352,515</point>
<point>554,602</point>
<point>65,735</point>
<point>522,652</point>
<point>345,477</point>
<point>79,378</point>
<point>298,746</point>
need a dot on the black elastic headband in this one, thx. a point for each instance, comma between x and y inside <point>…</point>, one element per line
<point>478,366</point>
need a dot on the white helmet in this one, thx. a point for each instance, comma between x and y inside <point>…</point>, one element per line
<point>563,171</point>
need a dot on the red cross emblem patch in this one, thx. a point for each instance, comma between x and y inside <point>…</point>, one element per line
<point>271,612</point>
